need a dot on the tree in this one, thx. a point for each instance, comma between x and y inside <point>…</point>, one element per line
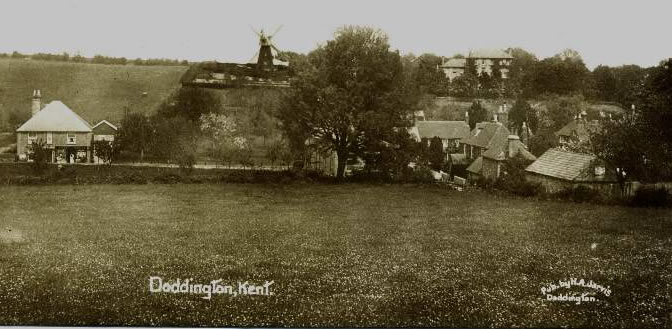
<point>542,141</point>
<point>560,110</point>
<point>218,127</point>
<point>428,76</point>
<point>191,103</point>
<point>477,113</point>
<point>522,112</point>
<point>135,134</point>
<point>105,151</point>
<point>522,66</point>
<point>639,145</point>
<point>354,93</point>
<point>174,139</point>
<point>437,157</point>
<point>563,74</point>
<point>464,86</point>
<point>38,152</point>
<point>605,83</point>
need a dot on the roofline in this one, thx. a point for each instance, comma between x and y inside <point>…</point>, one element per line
<point>107,122</point>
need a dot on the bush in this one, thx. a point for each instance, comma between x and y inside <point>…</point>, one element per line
<point>580,193</point>
<point>651,197</point>
<point>169,178</point>
<point>133,178</point>
<point>422,175</point>
<point>516,186</point>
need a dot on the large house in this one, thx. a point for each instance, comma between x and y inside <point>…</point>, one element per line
<point>68,137</point>
<point>450,133</point>
<point>557,170</point>
<point>483,60</point>
<point>453,67</point>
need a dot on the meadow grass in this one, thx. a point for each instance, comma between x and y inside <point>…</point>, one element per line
<point>340,255</point>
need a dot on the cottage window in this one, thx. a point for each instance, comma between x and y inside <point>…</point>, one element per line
<point>72,139</point>
<point>50,139</point>
<point>599,171</point>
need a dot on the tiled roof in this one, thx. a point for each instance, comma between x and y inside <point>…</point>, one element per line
<point>499,149</point>
<point>485,133</point>
<point>455,62</point>
<point>54,117</point>
<point>489,53</point>
<point>578,128</point>
<point>443,129</point>
<point>476,166</point>
<point>561,164</point>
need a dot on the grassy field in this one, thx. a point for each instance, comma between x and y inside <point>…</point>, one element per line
<point>339,255</point>
<point>94,91</point>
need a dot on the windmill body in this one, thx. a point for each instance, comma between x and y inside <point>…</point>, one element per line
<point>264,69</point>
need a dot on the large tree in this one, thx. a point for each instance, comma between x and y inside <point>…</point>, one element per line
<point>522,112</point>
<point>477,113</point>
<point>562,74</point>
<point>135,134</point>
<point>354,93</point>
<point>191,103</point>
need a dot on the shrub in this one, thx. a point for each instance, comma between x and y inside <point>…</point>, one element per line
<point>169,178</point>
<point>133,178</point>
<point>516,186</point>
<point>651,197</point>
<point>422,175</point>
<point>580,193</point>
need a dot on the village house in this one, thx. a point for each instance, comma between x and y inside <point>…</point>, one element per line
<point>576,131</point>
<point>68,137</point>
<point>453,67</point>
<point>483,60</point>
<point>482,137</point>
<point>450,133</point>
<point>491,164</point>
<point>557,170</point>
<point>103,131</point>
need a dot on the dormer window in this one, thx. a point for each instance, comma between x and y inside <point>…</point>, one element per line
<point>72,139</point>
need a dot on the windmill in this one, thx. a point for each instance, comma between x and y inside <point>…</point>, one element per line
<point>266,57</point>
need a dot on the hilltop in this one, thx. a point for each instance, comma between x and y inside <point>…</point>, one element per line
<point>95,91</point>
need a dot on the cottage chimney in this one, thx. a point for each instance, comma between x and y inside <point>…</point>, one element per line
<point>36,106</point>
<point>510,150</point>
<point>524,134</point>
<point>504,115</point>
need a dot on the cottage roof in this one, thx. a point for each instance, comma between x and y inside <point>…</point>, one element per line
<point>105,122</point>
<point>489,53</point>
<point>443,129</point>
<point>485,133</point>
<point>578,128</point>
<point>455,62</point>
<point>56,117</point>
<point>502,149</point>
<point>567,165</point>
<point>476,166</point>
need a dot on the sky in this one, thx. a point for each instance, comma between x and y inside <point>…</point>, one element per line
<point>604,32</point>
